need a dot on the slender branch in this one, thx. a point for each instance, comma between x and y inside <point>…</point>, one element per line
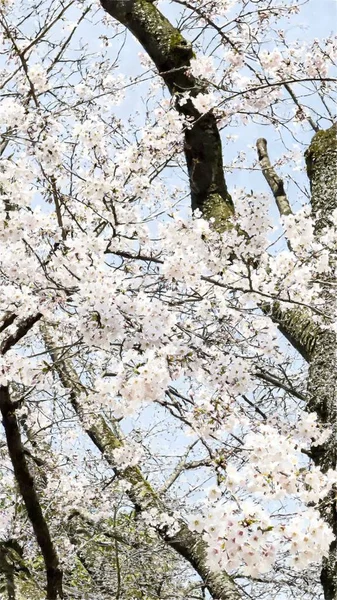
<point>45,29</point>
<point>295,99</point>
<point>133,256</point>
<point>256,408</point>
<point>178,470</point>
<point>280,384</point>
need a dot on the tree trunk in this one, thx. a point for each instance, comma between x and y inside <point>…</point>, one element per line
<point>321,160</point>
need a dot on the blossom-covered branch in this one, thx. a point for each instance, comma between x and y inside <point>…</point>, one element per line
<point>174,531</point>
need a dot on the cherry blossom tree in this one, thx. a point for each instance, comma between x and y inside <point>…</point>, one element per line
<point>168,313</point>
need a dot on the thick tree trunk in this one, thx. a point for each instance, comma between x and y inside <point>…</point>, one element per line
<point>7,571</point>
<point>322,171</point>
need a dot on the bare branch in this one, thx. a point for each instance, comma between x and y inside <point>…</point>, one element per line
<point>274,181</point>
<point>280,384</point>
<point>181,466</point>
<point>295,99</point>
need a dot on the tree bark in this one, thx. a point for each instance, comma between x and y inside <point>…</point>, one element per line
<point>7,570</point>
<point>321,158</point>
<point>24,326</point>
<point>171,54</point>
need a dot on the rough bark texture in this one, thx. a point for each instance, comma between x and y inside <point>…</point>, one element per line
<point>321,158</point>
<point>189,545</point>
<point>322,393</point>
<point>171,54</point>
<point>298,328</point>
<point>7,569</point>
<point>193,549</point>
<point>296,325</point>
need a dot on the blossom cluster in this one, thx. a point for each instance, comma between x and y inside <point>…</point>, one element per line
<point>154,311</point>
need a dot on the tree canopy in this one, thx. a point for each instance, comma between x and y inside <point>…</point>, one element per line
<point>168,190</point>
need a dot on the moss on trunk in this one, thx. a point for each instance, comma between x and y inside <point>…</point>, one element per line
<point>172,54</point>
<point>321,158</point>
<point>321,161</point>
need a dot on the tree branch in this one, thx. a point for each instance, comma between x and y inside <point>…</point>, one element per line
<point>142,495</point>
<point>280,384</point>
<point>27,489</point>
<point>274,181</point>
<point>321,159</point>
<point>24,326</point>
<point>171,54</point>
<point>8,319</point>
<point>297,326</point>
